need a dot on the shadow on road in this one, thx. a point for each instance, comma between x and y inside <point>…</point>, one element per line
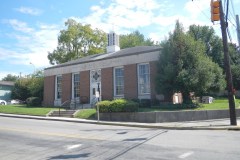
<point>84,155</point>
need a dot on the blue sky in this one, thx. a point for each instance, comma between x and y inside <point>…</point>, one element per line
<point>29,28</point>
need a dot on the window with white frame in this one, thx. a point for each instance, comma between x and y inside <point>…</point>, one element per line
<point>76,85</point>
<point>58,87</point>
<point>143,79</point>
<point>118,81</point>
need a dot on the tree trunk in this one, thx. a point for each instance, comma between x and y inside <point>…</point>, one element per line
<point>186,98</point>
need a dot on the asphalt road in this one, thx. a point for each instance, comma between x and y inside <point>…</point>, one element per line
<point>26,139</point>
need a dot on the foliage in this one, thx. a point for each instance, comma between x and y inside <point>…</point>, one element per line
<point>214,49</point>
<point>134,39</point>
<point>213,43</point>
<point>26,110</point>
<point>143,103</point>
<point>30,86</point>
<point>104,106</point>
<point>117,105</point>
<point>77,41</point>
<point>10,77</point>
<point>236,76</point>
<point>33,101</point>
<point>20,90</point>
<point>184,67</point>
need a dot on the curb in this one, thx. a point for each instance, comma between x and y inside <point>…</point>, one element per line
<point>230,128</point>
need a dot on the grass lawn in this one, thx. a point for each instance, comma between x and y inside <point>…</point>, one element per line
<point>86,114</point>
<point>221,103</point>
<point>26,110</point>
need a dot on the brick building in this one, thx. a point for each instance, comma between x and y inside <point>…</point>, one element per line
<point>127,73</point>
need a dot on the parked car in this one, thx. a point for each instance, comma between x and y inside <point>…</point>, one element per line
<point>2,102</point>
<point>16,101</point>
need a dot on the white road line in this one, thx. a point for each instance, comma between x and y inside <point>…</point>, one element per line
<point>70,147</point>
<point>185,155</point>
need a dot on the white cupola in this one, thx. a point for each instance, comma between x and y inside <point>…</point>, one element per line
<point>113,42</point>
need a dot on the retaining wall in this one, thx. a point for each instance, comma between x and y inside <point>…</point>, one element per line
<point>166,116</point>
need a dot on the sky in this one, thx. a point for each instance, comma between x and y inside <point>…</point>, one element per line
<point>29,28</point>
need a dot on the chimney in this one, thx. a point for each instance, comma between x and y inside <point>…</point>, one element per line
<point>113,42</point>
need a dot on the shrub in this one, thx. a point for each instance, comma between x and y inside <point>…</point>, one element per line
<point>33,101</point>
<point>104,106</point>
<point>117,105</point>
<point>131,106</point>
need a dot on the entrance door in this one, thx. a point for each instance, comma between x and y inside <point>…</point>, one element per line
<point>95,85</point>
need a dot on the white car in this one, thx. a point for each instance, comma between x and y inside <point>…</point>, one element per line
<point>2,102</point>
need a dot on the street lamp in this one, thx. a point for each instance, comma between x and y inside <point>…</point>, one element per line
<point>33,67</point>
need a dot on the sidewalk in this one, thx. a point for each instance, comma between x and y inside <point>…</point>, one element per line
<point>216,124</point>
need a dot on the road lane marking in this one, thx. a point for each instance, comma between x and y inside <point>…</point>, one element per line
<point>77,136</point>
<point>70,147</point>
<point>185,155</point>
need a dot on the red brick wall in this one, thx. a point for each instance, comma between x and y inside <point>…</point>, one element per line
<point>66,87</point>
<point>85,84</point>
<point>130,81</point>
<point>153,73</point>
<point>49,91</point>
<point>107,83</point>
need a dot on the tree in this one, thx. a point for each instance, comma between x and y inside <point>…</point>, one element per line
<point>10,77</point>
<point>30,86</point>
<point>184,67</point>
<point>214,49</point>
<point>77,41</point>
<point>212,42</point>
<point>134,39</point>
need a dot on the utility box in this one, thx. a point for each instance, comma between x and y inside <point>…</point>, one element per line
<point>207,99</point>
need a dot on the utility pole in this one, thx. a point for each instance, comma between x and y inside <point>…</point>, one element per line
<point>216,15</point>
<point>238,30</point>
<point>231,100</point>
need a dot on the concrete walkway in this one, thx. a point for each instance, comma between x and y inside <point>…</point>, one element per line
<point>216,124</point>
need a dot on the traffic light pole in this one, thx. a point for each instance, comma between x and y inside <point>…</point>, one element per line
<point>231,100</point>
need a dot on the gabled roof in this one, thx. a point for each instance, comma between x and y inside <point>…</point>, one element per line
<point>6,83</point>
<point>121,53</point>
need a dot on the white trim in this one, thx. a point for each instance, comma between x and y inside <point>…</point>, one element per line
<point>57,101</point>
<point>143,95</point>
<point>94,84</point>
<point>73,84</point>
<point>56,98</point>
<point>107,63</point>
<point>114,84</point>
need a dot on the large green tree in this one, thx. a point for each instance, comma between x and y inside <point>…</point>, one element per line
<point>134,39</point>
<point>212,42</point>
<point>214,49</point>
<point>76,41</point>
<point>184,67</point>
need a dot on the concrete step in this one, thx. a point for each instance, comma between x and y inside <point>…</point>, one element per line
<point>68,113</point>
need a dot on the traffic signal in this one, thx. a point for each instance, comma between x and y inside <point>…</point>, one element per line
<point>215,11</point>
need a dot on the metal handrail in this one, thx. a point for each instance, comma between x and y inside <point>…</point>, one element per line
<point>67,101</point>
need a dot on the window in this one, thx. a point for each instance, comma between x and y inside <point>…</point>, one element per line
<point>76,85</point>
<point>118,81</point>
<point>58,87</point>
<point>143,79</point>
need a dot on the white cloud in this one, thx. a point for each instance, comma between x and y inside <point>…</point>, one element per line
<point>197,7</point>
<point>19,25</point>
<point>29,10</point>
<point>31,47</point>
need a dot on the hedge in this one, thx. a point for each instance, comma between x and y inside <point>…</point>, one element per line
<point>117,105</point>
<point>33,101</point>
